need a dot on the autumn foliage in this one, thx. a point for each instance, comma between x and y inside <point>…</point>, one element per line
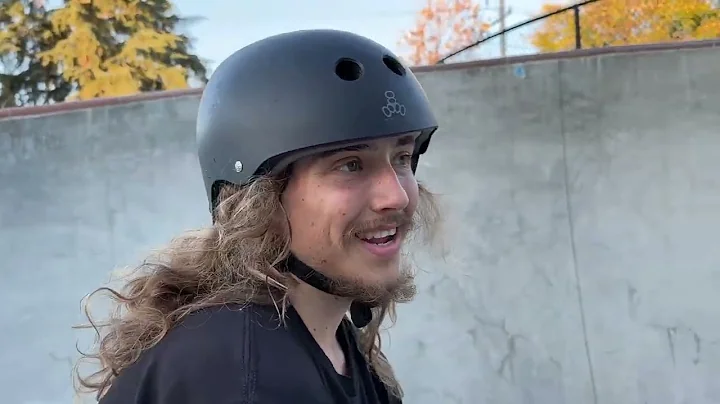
<point>91,48</point>
<point>442,27</point>
<point>628,22</point>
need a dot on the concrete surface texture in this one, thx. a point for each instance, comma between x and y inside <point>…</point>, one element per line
<point>582,203</point>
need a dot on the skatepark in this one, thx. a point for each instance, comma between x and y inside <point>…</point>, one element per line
<point>581,195</point>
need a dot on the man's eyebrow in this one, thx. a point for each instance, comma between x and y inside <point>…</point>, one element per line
<point>403,141</point>
<point>406,140</point>
<point>355,147</point>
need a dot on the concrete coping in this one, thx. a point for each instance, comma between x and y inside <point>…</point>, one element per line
<point>573,54</point>
<point>19,112</point>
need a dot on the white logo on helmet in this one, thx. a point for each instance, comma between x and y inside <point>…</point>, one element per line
<point>392,107</point>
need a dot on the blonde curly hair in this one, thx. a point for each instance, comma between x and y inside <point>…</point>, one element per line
<point>231,262</point>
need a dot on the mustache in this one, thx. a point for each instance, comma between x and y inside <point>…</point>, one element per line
<point>397,219</point>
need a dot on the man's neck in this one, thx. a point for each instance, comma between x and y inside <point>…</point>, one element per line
<point>321,313</point>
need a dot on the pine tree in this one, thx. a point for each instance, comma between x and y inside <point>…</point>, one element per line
<point>25,32</point>
<point>120,47</point>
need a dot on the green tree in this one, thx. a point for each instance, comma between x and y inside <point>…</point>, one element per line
<point>94,48</point>
<point>121,47</point>
<point>25,32</point>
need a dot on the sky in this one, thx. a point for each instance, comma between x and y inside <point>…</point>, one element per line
<point>229,25</point>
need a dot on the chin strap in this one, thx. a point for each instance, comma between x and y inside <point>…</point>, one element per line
<point>360,313</point>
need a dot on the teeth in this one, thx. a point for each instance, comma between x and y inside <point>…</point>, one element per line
<point>379,234</point>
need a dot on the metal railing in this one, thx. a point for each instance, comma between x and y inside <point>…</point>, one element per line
<point>578,38</point>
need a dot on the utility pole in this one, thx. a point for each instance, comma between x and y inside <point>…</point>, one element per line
<point>503,42</point>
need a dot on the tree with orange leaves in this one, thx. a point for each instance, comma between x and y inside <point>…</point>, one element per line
<point>628,22</point>
<point>442,27</point>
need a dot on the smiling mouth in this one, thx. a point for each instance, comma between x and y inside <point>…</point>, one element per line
<point>380,237</point>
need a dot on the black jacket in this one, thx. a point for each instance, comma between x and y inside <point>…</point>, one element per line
<point>234,355</point>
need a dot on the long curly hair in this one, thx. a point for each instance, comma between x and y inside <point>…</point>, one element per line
<point>233,261</point>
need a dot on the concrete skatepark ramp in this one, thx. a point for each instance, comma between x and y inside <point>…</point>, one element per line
<point>582,200</point>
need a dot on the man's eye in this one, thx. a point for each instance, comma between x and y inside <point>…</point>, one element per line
<point>351,166</point>
<point>404,160</point>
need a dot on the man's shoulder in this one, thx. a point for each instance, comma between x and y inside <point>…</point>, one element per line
<point>216,352</point>
<point>234,336</point>
<point>228,323</point>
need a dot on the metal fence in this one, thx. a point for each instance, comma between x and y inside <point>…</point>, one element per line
<point>575,8</point>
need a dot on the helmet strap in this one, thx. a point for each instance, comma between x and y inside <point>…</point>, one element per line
<point>414,162</point>
<point>360,313</point>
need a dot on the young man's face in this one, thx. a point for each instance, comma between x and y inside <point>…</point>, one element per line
<point>350,210</point>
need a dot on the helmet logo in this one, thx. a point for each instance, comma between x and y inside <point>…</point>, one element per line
<point>392,107</point>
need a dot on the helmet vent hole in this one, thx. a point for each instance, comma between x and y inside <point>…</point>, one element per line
<point>348,69</point>
<point>394,65</point>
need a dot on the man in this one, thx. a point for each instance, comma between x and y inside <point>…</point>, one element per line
<point>308,143</point>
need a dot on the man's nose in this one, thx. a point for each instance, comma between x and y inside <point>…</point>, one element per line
<point>387,192</point>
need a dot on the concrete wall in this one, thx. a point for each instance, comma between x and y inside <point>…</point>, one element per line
<point>582,202</point>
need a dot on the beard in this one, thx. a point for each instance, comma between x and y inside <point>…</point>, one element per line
<point>350,283</point>
<point>398,290</point>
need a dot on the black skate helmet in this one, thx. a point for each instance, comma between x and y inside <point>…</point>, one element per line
<point>295,94</point>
